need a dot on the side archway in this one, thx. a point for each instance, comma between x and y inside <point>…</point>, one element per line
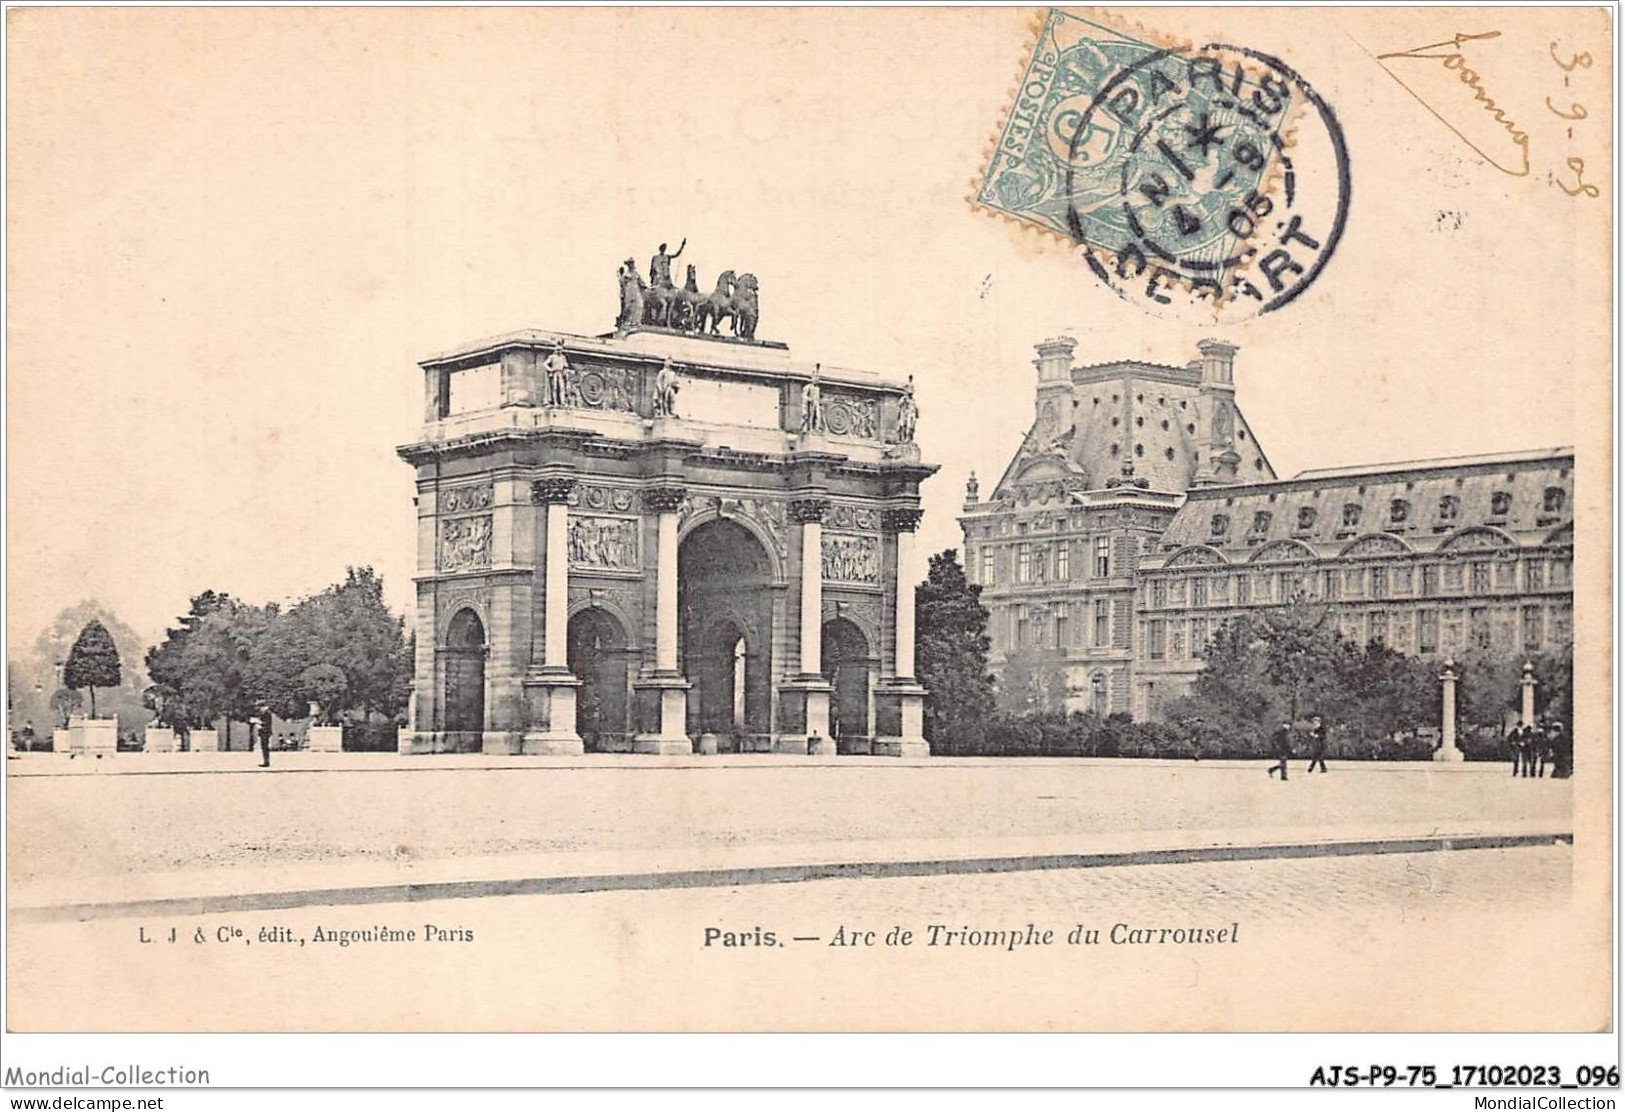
<point>848,664</point>
<point>601,659</point>
<point>462,671</point>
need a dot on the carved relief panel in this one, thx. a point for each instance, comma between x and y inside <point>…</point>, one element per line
<point>465,543</point>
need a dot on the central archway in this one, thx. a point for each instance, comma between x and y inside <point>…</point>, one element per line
<point>725,623</point>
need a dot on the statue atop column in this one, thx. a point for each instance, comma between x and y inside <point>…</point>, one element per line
<point>665,400</point>
<point>812,406</point>
<point>557,367</point>
<point>908,414</point>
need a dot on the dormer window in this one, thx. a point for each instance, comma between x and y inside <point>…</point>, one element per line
<point>1500,503</point>
<point>1351,514</point>
<point>1261,521</point>
<point>1221,524</point>
<point>1306,517</point>
<point>1398,510</point>
<point>1556,498</point>
<point>1449,507</point>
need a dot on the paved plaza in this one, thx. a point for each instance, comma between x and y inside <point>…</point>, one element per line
<point>77,825</point>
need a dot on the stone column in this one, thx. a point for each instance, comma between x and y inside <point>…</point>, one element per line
<point>1447,726</point>
<point>804,699</point>
<point>900,700</point>
<point>663,695</point>
<point>550,689</point>
<point>809,512</point>
<point>1528,685</point>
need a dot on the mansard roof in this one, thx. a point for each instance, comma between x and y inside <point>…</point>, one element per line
<point>1421,505</point>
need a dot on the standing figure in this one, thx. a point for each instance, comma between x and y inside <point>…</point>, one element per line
<point>660,265</point>
<point>666,390</point>
<point>1281,742</point>
<point>812,406</point>
<point>1562,751</point>
<point>632,289</point>
<point>1516,740</point>
<point>1317,743</point>
<point>1535,759</point>
<point>558,375</point>
<point>264,728</point>
<point>908,414</point>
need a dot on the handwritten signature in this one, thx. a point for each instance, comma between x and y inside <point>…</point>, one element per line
<point>1449,53</point>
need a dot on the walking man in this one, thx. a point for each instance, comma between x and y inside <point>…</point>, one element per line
<point>1282,743</point>
<point>1317,743</point>
<point>1539,747</point>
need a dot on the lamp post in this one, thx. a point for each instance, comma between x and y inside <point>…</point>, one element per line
<point>1528,684</point>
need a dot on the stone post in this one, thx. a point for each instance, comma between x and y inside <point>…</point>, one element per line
<point>1447,726</point>
<point>1528,685</point>
<point>550,689</point>
<point>663,695</point>
<point>804,699</point>
<point>899,699</point>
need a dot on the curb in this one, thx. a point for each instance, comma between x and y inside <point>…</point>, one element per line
<point>770,874</point>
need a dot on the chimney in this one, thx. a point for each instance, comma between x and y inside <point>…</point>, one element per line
<point>1054,360</point>
<point>1053,403</point>
<point>1218,363</point>
<point>1217,409</point>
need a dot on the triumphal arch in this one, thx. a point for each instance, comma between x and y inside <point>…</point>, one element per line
<point>662,539</point>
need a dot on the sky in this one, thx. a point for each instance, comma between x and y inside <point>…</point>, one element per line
<point>233,233</point>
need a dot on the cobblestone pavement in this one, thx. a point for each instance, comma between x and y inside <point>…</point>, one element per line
<point>110,825</point>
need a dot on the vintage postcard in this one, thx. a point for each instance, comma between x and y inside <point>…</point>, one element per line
<point>869,520</point>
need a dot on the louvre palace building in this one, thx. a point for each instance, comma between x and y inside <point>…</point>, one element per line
<point>1141,512</point>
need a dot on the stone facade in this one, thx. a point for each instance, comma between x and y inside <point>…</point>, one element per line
<point>598,574</point>
<point>1120,539</point>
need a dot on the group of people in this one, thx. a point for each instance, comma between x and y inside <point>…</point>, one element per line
<point>1282,740</point>
<point>1539,745</point>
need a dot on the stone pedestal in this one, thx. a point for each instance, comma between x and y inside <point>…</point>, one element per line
<point>550,708</point>
<point>203,741</point>
<point>706,745</point>
<point>821,746</point>
<point>803,714</point>
<point>900,720</point>
<point>101,736</point>
<point>662,715</point>
<point>62,741</point>
<point>158,739</point>
<point>326,739</point>
<point>1447,750</point>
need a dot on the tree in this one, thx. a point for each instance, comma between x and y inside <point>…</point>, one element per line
<point>1304,656</point>
<point>201,672</point>
<point>951,652</point>
<point>92,662</point>
<point>346,642</point>
<point>179,695</point>
<point>1032,681</point>
<point>326,686</point>
<point>64,701</point>
<point>40,667</point>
